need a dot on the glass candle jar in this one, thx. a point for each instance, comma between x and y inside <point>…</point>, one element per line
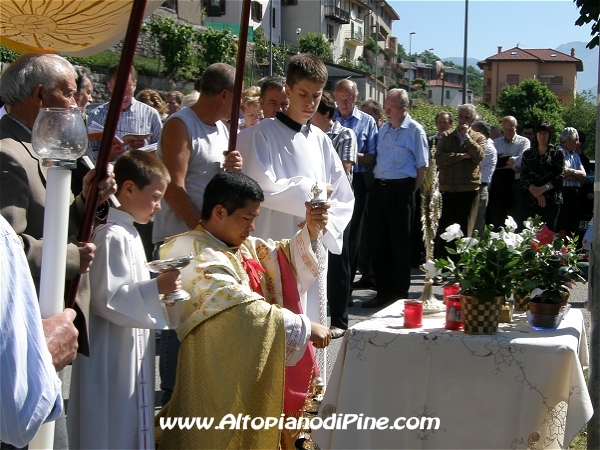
<point>413,314</point>
<point>453,313</point>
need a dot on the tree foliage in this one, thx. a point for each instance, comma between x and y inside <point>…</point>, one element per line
<point>261,45</point>
<point>173,41</point>
<point>589,12</point>
<point>475,80</point>
<point>316,44</point>
<point>581,114</point>
<point>531,102</point>
<point>216,46</point>
<point>424,113</point>
<point>401,52</point>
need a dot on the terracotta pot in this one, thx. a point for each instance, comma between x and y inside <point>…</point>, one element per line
<point>480,318</point>
<point>544,315</point>
<point>546,309</point>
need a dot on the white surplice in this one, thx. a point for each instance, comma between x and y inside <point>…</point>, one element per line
<point>111,403</point>
<point>286,164</point>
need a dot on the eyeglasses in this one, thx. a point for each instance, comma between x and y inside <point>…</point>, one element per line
<point>254,115</point>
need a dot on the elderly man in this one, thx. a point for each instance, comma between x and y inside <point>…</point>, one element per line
<point>458,155</point>
<point>402,161</point>
<point>192,146</point>
<point>273,97</point>
<point>32,82</point>
<point>574,175</point>
<point>365,128</point>
<point>507,195</point>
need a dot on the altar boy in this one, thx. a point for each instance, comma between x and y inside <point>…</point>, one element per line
<point>111,404</point>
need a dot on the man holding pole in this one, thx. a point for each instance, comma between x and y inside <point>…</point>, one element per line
<point>32,82</point>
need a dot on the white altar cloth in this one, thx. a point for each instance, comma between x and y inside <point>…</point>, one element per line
<point>518,389</point>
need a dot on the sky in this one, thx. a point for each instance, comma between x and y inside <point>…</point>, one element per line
<point>531,24</point>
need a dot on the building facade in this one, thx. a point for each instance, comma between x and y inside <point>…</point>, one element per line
<point>346,24</point>
<point>555,69</point>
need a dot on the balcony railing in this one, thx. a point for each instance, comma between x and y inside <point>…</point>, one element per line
<point>355,36</point>
<point>336,14</point>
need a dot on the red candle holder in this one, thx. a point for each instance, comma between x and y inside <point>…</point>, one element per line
<point>450,289</point>
<point>413,314</point>
<point>453,313</point>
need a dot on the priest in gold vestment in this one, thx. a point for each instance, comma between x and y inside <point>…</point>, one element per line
<point>243,324</point>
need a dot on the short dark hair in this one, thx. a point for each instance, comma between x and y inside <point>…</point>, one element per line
<point>141,168</point>
<point>582,137</point>
<point>216,77</point>
<point>482,127</point>
<point>327,105</point>
<point>374,105</point>
<point>306,66</point>
<point>83,76</point>
<point>274,82</point>
<point>112,72</point>
<point>442,113</point>
<point>546,126</point>
<point>232,190</point>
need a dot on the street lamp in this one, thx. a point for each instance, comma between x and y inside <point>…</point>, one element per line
<point>298,31</point>
<point>410,62</point>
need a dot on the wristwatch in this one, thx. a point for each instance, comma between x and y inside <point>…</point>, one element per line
<point>547,186</point>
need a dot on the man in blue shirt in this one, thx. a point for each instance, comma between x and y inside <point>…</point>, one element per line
<point>574,176</point>
<point>365,128</point>
<point>31,349</point>
<point>402,161</point>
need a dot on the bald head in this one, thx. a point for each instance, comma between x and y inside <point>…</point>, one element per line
<point>509,128</point>
<point>346,95</point>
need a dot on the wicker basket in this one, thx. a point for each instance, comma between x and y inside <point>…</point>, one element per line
<point>480,318</point>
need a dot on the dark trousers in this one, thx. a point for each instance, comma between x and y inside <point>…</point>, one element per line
<point>359,185</point>
<point>391,210</point>
<point>548,213</point>
<point>570,210</point>
<point>460,208</point>
<point>338,284</point>
<point>417,244</point>
<point>168,350</point>
<point>506,198</point>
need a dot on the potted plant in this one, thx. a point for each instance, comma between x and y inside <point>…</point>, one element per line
<point>549,263</point>
<point>483,266</point>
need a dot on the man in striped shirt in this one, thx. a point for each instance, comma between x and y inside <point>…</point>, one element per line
<point>137,119</point>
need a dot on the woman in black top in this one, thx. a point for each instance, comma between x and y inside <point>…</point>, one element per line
<point>542,176</point>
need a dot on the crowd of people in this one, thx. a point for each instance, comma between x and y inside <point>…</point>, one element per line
<point>328,187</point>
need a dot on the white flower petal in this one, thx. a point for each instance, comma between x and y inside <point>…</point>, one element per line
<point>469,242</point>
<point>536,292</point>
<point>452,232</point>
<point>432,271</point>
<point>510,223</point>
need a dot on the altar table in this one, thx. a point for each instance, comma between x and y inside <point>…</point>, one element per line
<point>516,389</point>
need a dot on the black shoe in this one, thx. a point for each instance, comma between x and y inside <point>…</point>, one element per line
<point>363,283</point>
<point>376,302</point>
<point>336,332</point>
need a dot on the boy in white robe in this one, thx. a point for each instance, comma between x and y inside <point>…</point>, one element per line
<point>286,156</point>
<point>111,404</point>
